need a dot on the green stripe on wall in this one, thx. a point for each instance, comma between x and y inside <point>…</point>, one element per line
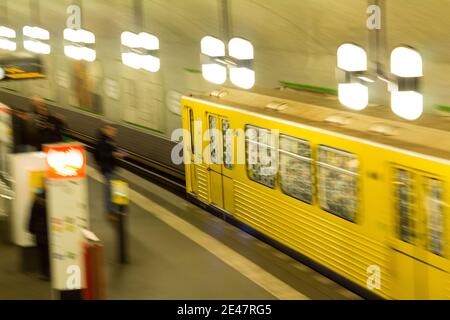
<point>442,108</point>
<point>193,70</point>
<point>306,87</point>
<point>86,109</point>
<point>143,127</point>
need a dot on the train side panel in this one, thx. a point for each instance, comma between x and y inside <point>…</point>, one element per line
<point>356,249</point>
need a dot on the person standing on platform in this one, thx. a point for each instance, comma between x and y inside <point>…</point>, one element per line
<point>47,126</point>
<point>106,155</point>
<point>61,126</point>
<point>22,131</point>
<point>38,226</point>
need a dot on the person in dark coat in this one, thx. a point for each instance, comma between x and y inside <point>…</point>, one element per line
<point>38,226</point>
<point>106,155</point>
<point>22,131</point>
<point>61,126</point>
<point>47,126</point>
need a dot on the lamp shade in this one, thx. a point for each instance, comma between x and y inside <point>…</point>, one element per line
<point>352,58</point>
<point>354,95</point>
<point>406,63</point>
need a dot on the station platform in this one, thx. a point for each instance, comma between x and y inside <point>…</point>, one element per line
<point>178,251</point>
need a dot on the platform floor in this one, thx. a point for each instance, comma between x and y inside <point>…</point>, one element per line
<point>179,251</point>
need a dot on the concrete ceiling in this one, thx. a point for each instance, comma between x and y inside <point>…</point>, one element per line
<point>289,25</point>
<point>294,40</point>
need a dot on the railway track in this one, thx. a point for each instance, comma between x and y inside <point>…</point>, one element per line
<point>151,170</point>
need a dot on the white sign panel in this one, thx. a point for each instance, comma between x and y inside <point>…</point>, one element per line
<point>68,210</point>
<point>25,170</point>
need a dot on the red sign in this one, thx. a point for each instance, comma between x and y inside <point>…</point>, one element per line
<point>65,161</point>
<point>5,109</point>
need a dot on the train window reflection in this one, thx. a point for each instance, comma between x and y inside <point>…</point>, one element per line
<point>405,205</point>
<point>434,207</point>
<point>214,140</point>
<point>338,182</point>
<point>295,168</point>
<point>261,155</point>
<point>228,145</point>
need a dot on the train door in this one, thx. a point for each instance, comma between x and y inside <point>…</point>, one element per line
<point>433,194</point>
<point>189,150</point>
<point>221,157</point>
<point>420,266</point>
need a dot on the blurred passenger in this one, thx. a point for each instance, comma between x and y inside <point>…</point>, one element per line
<point>22,131</point>
<point>61,125</point>
<point>39,228</point>
<point>106,155</point>
<point>47,126</point>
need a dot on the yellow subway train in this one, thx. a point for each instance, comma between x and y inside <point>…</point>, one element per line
<point>363,195</point>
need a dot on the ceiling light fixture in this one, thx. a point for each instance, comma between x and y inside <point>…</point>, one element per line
<point>352,64</point>
<point>239,61</point>
<point>79,44</point>
<point>7,39</point>
<point>140,51</point>
<point>407,68</point>
<point>35,40</point>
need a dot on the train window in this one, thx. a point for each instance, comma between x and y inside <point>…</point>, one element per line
<point>228,154</point>
<point>261,155</point>
<point>214,140</point>
<point>295,168</point>
<point>434,208</point>
<point>404,205</point>
<point>338,182</point>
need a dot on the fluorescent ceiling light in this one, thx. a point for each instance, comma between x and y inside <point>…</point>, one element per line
<point>7,35</point>
<point>77,49</point>
<point>8,45</point>
<point>139,58</point>
<point>149,41</point>
<point>86,36</point>
<point>142,40</point>
<point>354,95</point>
<point>150,63</point>
<point>6,32</point>
<point>71,35</point>
<point>213,47</point>
<point>242,77</point>
<point>37,46</point>
<point>240,49</point>
<point>407,104</point>
<point>131,60</point>
<point>352,58</point>
<point>79,36</point>
<point>130,39</point>
<point>406,63</point>
<point>138,61</point>
<point>80,53</point>
<point>36,33</point>
<point>215,73</point>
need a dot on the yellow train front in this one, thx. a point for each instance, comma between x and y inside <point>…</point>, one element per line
<point>364,198</point>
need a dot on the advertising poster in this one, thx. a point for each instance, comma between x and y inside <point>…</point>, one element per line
<point>85,86</point>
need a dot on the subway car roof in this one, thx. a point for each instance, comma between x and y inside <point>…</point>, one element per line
<point>429,136</point>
